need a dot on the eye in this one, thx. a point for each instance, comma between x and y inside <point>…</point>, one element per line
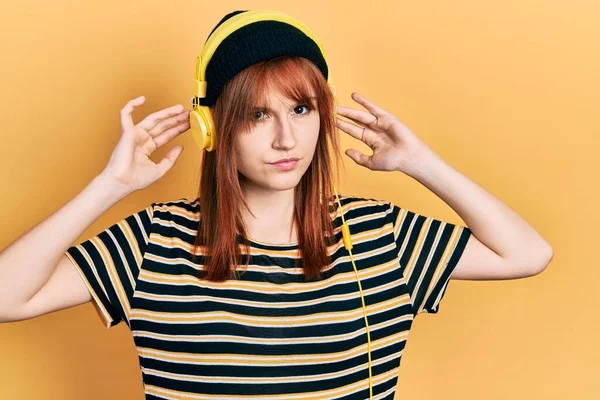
<point>256,115</point>
<point>305,106</point>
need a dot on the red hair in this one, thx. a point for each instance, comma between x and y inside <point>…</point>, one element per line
<point>220,191</point>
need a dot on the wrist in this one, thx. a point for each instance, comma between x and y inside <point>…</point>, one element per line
<point>111,187</point>
<point>425,165</point>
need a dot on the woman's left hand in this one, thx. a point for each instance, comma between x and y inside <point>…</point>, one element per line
<point>395,147</point>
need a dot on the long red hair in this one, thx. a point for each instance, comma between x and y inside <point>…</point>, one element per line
<point>220,191</point>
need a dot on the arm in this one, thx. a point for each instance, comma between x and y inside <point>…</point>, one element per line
<point>36,277</point>
<point>503,244</point>
<point>22,276</point>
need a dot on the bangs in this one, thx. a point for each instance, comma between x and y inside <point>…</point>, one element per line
<point>295,77</point>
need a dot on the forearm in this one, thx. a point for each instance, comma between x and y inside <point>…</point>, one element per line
<point>493,222</point>
<point>29,261</point>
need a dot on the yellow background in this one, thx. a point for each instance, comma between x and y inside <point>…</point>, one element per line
<point>506,92</point>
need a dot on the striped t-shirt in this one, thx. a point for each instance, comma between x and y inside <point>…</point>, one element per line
<point>269,334</point>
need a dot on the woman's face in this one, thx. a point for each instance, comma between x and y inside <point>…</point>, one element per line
<point>286,130</point>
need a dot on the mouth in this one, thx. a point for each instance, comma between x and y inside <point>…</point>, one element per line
<point>283,160</point>
<point>286,164</point>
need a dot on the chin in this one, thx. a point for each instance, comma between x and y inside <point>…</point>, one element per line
<point>282,182</point>
<point>286,184</point>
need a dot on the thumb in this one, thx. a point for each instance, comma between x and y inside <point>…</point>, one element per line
<point>358,157</point>
<point>169,160</point>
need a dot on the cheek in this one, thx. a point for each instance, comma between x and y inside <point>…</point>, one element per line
<point>246,153</point>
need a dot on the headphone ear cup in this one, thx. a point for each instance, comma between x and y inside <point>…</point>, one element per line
<point>202,126</point>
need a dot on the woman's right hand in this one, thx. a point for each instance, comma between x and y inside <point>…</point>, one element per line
<point>130,165</point>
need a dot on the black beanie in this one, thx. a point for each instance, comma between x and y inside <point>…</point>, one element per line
<point>255,42</point>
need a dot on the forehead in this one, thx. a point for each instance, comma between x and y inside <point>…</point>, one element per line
<point>274,96</point>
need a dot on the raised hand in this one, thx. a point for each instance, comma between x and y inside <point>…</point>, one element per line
<point>130,165</point>
<point>395,147</point>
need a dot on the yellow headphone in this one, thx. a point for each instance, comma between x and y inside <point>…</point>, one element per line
<point>203,127</point>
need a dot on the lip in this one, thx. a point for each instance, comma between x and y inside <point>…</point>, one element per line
<point>286,165</point>
<point>283,160</point>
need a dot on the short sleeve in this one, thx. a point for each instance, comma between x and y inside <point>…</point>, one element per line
<point>428,251</point>
<point>109,264</point>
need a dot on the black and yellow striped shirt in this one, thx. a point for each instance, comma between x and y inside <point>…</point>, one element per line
<point>270,334</point>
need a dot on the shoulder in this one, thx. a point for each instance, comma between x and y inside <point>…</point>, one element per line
<point>362,205</point>
<point>370,212</point>
<point>179,210</point>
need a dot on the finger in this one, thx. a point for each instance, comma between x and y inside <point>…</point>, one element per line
<point>126,119</point>
<point>171,134</point>
<point>169,123</point>
<point>153,119</point>
<point>369,105</point>
<point>359,157</point>
<point>169,160</point>
<point>354,131</point>
<point>357,115</point>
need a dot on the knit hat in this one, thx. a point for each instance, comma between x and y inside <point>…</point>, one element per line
<point>255,42</point>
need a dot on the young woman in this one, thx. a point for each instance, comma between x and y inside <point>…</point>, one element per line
<point>248,291</point>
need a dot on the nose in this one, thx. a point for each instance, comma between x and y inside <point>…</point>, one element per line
<point>285,136</point>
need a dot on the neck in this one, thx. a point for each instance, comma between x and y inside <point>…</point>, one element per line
<point>270,215</point>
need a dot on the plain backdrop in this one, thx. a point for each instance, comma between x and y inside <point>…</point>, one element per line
<point>506,92</point>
